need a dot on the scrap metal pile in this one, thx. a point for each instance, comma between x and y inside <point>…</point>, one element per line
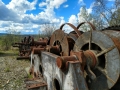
<point>74,61</point>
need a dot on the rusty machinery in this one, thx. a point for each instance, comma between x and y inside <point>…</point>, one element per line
<point>22,46</point>
<point>28,44</point>
<point>60,44</point>
<point>98,56</point>
<point>75,61</point>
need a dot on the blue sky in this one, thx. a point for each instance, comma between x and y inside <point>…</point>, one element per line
<point>27,16</point>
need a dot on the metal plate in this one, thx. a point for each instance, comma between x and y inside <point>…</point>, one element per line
<point>72,79</point>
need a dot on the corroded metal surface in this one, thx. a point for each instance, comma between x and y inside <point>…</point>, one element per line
<point>62,62</point>
<point>116,28</point>
<point>72,79</point>
<point>115,36</point>
<point>27,45</point>
<point>75,61</point>
<point>107,71</point>
<point>90,24</point>
<point>75,29</point>
<point>36,84</point>
<point>61,39</point>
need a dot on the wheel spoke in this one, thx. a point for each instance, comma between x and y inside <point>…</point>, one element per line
<point>101,70</point>
<point>61,41</point>
<point>90,39</point>
<point>77,47</point>
<point>105,51</point>
<point>55,37</point>
<point>104,73</point>
<point>91,75</point>
<point>31,59</point>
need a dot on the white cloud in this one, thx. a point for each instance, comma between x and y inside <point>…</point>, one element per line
<point>15,15</point>
<point>81,2</point>
<point>73,19</point>
<point>65,6</point>
<point>16,9</point>
<point>29,31</point>
<point>62,21</point>
<point>9,25</point>
<point>111,0</point>
<point>52,3</point>
<point>48,13</point>
<point>57,3</point>
<point>7,14</point>
<point>21,6</point>
<point>89,10</point>
<point>42,4</point>
<point>35,26</point>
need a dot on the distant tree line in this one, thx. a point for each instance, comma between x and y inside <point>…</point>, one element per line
<point>7,40</point>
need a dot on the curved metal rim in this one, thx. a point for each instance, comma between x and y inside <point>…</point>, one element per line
<point>91,25</point>
<point>71,25</point>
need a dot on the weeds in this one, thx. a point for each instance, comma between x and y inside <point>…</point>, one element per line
<point>7,69</point>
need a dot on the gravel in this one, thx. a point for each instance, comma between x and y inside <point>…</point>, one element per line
<point>12,72</point>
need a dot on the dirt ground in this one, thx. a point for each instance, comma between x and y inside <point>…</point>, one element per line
<point>12,72</point>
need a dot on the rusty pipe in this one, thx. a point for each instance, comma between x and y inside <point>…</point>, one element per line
<point>62,61</point>
<point>85,58</point>
<point>37,50</point>
<point>55,49</point>
<point>43,43</point>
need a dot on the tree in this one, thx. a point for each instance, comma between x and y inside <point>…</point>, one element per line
<point>46,30</point>
<point>115,18</point>
<point>84,16</point>
<point>11,37</point>
<point>109,15</point>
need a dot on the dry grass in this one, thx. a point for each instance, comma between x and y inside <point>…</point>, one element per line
<point>12,71</point>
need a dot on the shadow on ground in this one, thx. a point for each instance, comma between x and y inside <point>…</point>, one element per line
<point>7,54</point>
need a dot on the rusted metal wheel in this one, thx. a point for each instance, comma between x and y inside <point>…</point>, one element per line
<point>62,42</point>
<point>105,73</point>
